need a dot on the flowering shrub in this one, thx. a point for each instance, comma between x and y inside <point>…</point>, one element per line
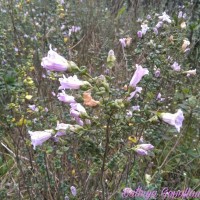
<point>126,119</point>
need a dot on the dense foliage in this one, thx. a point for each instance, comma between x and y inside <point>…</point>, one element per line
<point>137,68</point>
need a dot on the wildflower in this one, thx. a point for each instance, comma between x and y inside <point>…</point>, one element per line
<point>143,149</point>
<point>139,34</point>
<point>155,30</point>
<point>129,113</point>
<point>54,62</point>
<point>53,93</point>
<point>73,191</point>
<point>39,137</point>
<point>139,73</point>
<point>190,72</point>
<point>134,108</point>
<point>71,82</point>
<point>33,108</point>
<point>176,66</point>
<point>175,119</point>
<point>146,147</point>
<point>185,44</point>
<point>144,28</point>
<point>159,97</point>
<point>165,17</point>
<point>180,14</point>
<point>148,16</point>
<point>111,56</point>
<point>159,24</point>
<point>65,98</point>
<point>132,94</point>
<point>127,192</point>
<point>183,25</point>
<point>74,29</point>
<point>157,73</point>
<point>123,42</point>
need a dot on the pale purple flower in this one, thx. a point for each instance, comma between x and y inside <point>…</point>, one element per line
<point>144,28</point>
<point>180,14</point>
<point>148,16</point>
<point>176,66</point>
<point>54,62</point>
<point>63,126</point>
<point>88,122</point>
<point>165,17</point>
<point>65,98</point>
<point>78,107</point>
<point>123,42</point>
<point>76,111</point>
<point>155,30</point>
<point>73,191</point>
<point>135,108</point>
<point>39,137</point>
<point>143,149</point>
<point>159,24</point>
<point>79,121</point>
<point>139,73</point>
<point>146,147</point>
<point>184,15</point>
<point>141,152</point>
<point>53,93</point>
<point>139,34</point>
<point>132,94</point>
<point>33,108</point>
<point>129,113</point>
<point>71,82</point>
<point>157,73</point>
<point>159,98</point>
<point>66,198</point>
<point>46,109</point>
<point>16,49</point>
<point>74,29</point>
<point>175,119</point>
<point>127,192</point>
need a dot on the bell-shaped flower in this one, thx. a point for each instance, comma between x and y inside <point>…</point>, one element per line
<point>73,191</point>
<point>146,147</point>
<point>143,149</point>
<point>144,28</point>
<point>54,62</point>
<point>123,42</point>
<point>39,137</point>
<point>135,108</point>
<point>71,82</point>
<point>139,73</point>
<point>139,34</point>
<point>132,94</point>
<point>65,98</point>
<point>175,119</point>
<point>190,72</point>
<point>33,108</point>
<point>165,17</point>
<point>159,24</point>
<point>176,66</point>
<point>185,44</point>
<point>76,111</point>
<point>159,97</point>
